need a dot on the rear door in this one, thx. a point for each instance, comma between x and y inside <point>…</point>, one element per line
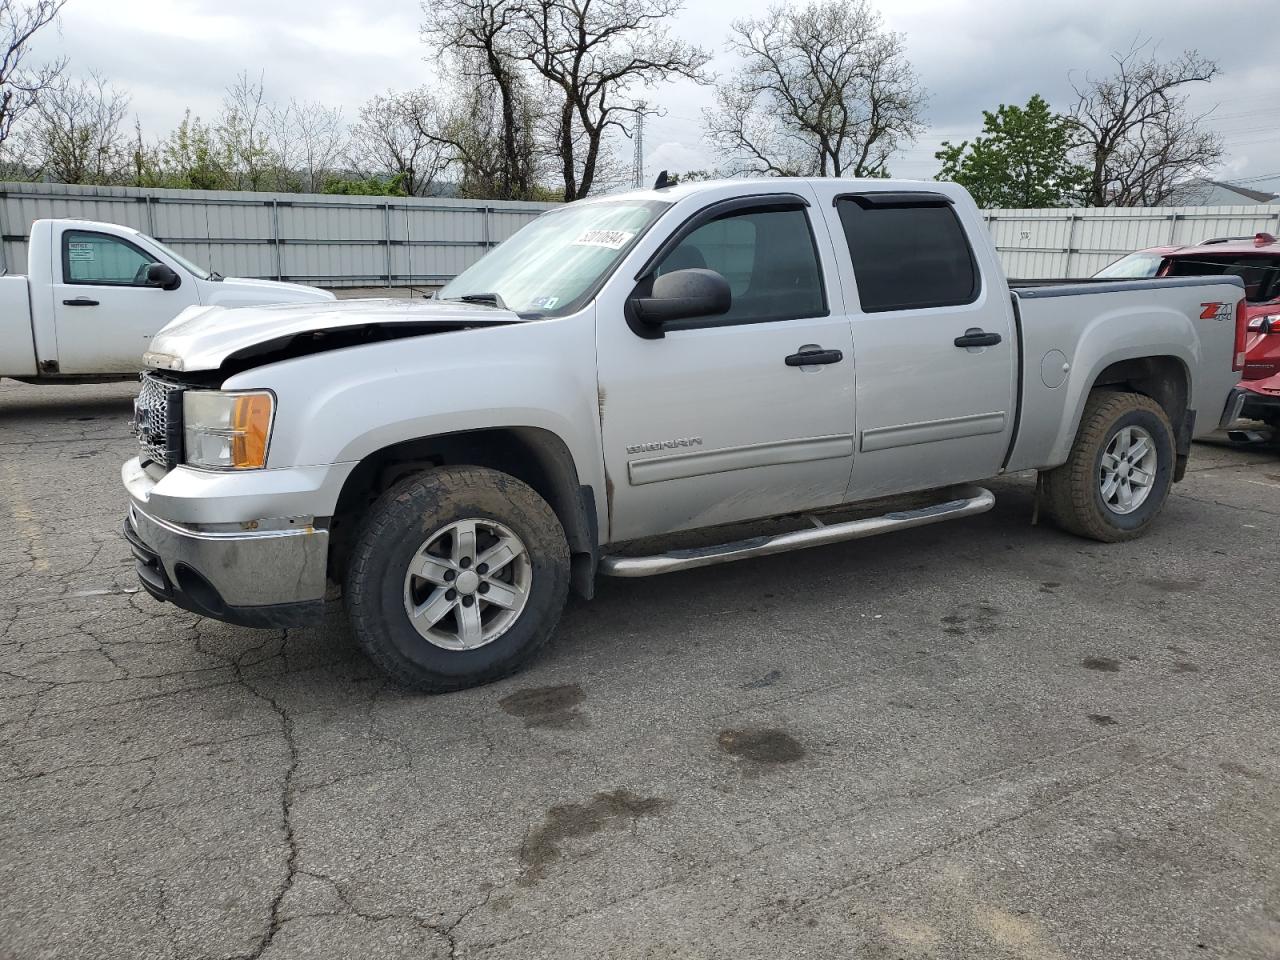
<point>934,346</point>
<point>105,311</point>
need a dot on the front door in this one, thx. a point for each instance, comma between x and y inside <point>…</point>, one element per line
<point>935,348</point>
<point>713,422</point>
<point>105,311</point>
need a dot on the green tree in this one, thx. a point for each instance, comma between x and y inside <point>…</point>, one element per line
<point>190,158</point>
<point>1021,160</point>
<point>395,185</point>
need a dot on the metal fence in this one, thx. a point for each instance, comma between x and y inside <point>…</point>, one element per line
<point>310,238</point>
<point>390,241</point>
<point>1079,242</point>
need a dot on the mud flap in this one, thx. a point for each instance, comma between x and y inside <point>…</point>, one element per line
<point>1182,438</point>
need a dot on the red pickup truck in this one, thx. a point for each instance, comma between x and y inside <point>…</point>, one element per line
<point>1256,260</point>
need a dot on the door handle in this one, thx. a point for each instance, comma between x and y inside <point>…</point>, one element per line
<point>808,357</point>
<point>80,302</point>
<point>977,337</point>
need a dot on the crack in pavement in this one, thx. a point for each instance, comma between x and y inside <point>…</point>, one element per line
<point>287,796</point>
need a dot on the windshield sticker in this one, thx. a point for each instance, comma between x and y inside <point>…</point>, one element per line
<point>544,303</point>
<point>80,251</point>
<point>613,239</point>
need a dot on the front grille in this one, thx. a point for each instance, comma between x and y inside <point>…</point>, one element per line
<point>157,420</point>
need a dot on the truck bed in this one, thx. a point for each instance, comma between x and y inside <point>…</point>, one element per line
<point>17,349</point>
<point>1068,337</point>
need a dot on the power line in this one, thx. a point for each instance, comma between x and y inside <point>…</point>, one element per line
<point>1263,176</point>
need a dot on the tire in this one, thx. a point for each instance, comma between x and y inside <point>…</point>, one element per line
<point>423,520</point>
<point>1074,492</point>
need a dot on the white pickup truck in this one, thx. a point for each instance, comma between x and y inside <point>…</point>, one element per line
<point>673,364</point>
<point>96,293</point>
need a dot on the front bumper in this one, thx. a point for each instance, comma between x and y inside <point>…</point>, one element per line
<point>245,575</point>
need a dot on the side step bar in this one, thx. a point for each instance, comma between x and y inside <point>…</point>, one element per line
<point>968,501</point>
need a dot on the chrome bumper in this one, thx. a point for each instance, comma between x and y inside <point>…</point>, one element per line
<point>250,576</point>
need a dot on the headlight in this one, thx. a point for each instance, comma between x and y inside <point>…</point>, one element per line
<point>227,431</point>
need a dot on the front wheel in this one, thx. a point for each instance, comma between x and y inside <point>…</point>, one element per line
<point>1119,472</point>
<point>457,578</point>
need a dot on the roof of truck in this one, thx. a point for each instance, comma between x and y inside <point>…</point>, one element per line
<point>749,185</point>
<point>1260,243</point>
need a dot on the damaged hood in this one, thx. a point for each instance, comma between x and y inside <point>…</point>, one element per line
<point>206,337</point>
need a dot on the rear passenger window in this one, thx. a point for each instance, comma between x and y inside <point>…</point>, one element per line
<point>908,257</point>
<point>769,259</point>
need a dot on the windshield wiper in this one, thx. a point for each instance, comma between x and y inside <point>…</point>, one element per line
<point>488,299</point>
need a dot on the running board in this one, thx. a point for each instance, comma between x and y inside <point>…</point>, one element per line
<point>969,501</point>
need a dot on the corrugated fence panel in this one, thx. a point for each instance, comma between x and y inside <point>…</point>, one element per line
<point>363,241</point>
<point>1078,242</point>
<point>312,238</point>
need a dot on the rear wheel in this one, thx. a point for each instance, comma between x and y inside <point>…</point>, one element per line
<point>1119,472</point>
<point>457,578</point>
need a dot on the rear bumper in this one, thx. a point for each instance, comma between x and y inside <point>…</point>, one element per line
<point>1260,406</point>
<point>1234,408</point>
<point>256,573</point>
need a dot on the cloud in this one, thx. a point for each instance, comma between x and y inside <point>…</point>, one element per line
<point>970,55</point>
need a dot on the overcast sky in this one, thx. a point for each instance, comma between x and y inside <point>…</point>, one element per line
<point>970,55</point>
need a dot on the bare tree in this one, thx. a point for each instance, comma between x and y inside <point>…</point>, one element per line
<point>1135,133</point>
<point>821,90</point>
<point>592,54</point>
<point>475,36</point>
<point>78,134</point>
<point>476,132</point>
<point>307,140</point>
<point>20,86</point>
<point>242,134</point>
<point>398,136</point>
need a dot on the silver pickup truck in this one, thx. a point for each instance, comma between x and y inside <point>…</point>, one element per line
<point>626,383</point>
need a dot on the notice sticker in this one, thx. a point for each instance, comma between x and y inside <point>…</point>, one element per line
<point>80,251</point>
<point>544,303</point>
<point>613,239</point>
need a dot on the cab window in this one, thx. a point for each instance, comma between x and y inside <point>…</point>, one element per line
<point>1260,273</point>
<point>103,260</point>
<point>908,256</point>
<point>769,258</point>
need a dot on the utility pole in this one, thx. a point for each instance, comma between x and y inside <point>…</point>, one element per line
<point>637,162</point>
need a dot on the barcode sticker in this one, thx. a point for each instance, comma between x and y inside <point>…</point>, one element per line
<point>613,239</point>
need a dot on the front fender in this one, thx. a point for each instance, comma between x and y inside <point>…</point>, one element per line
<point>341,406</point>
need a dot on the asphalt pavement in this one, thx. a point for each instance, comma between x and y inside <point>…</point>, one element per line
<point>983,739</point>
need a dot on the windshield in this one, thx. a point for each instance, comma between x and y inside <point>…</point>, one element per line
<point>1136,266</point>
<point>200,272</point>
<point>1260,273</point>
<point>554,264</point>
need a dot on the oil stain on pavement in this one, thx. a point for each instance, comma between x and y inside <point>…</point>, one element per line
<point>614,809</point>
<point>761,747</point>
<point>555,707</point>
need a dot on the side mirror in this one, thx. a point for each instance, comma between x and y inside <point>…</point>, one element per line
<point>683,295</point>
<point>164,276</point>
